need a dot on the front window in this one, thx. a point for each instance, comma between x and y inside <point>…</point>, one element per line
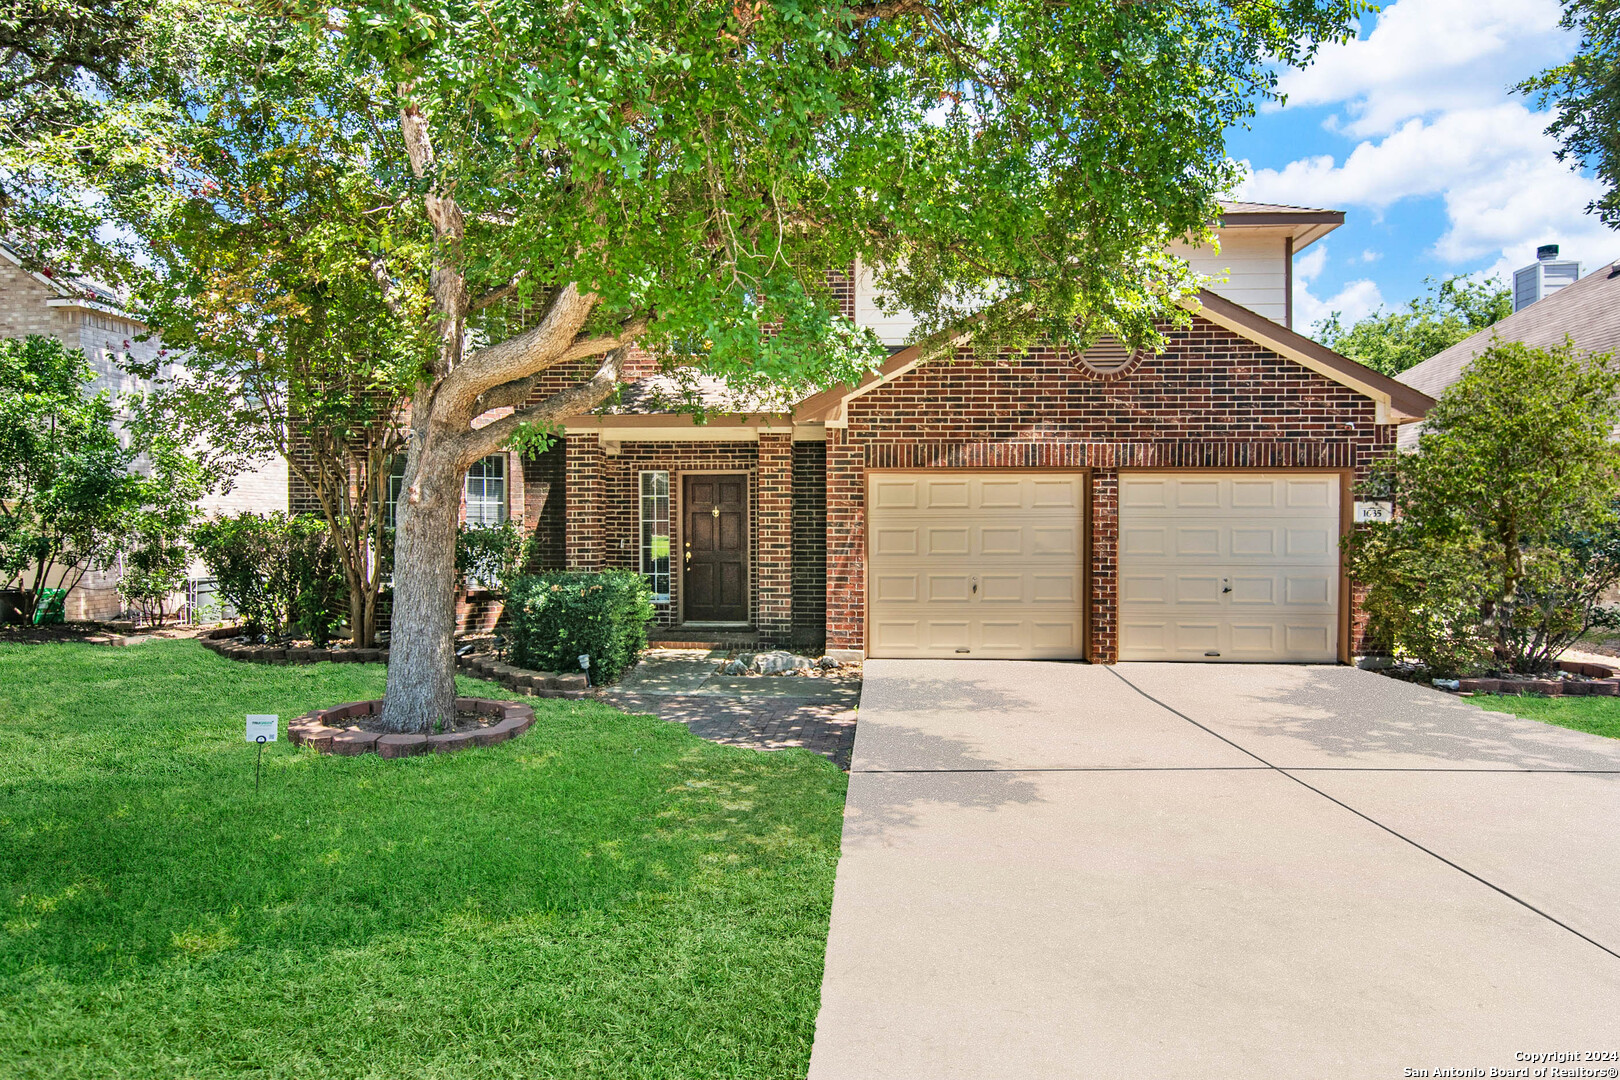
<point>486,491</point>
<point>655,533</point>
<point>393,484</point>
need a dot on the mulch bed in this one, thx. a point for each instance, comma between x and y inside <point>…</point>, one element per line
<point>356,728</point>
<point>1574,678</point>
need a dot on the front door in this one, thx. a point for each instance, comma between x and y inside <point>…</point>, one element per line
<point>716,547</point>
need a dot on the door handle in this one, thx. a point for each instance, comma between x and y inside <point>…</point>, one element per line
<point>1226,585</point>
<point>973,583</point>
<point>689,552</point>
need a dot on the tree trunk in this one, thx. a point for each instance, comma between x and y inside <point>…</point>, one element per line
<point>421,648</point>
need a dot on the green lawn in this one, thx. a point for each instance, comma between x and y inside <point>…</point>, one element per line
<point>1595,715</point>
<point>606,896</point>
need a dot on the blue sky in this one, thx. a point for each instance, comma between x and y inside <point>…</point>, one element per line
<point>1412,131</point>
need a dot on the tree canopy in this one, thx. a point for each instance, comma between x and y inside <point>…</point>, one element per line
<point>1506,528</point>
<point>1585,95</point>
<point>1392,341</point>
<point>531,189</point>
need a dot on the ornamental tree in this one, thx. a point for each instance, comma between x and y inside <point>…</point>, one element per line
<point>577,178</point>
<point>1506,527</point>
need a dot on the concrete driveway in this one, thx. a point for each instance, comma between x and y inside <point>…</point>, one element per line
<point>1056,870</point>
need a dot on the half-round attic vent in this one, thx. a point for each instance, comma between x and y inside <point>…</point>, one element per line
<point>1107,356</point>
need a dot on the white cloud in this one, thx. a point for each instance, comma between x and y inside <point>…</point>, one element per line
<point>1429,56</point>
<point>1355,300</point>
<point>1371,256</point>
<point>1310,264</point>
<point>1503,188</point>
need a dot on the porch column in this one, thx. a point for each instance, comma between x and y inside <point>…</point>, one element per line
<point>773,538</point>
<point>846,547</point>
<point>584,526</point>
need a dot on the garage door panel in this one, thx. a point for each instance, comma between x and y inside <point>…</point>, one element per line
<point>1239,566</point>
<point>993,566</point>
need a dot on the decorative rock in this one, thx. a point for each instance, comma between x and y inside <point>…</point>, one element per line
<point>827,663</point>
<point>734,667</point>
<point>778,661</point>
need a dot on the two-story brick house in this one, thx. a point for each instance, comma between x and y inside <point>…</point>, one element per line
<point>1185,505</point>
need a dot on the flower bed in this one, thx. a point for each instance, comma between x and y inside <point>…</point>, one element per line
<point>225,642</point>
<point>1591,680</point>
<point>328,731</point>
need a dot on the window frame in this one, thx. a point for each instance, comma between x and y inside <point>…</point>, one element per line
<point>647,525</point>
<point>483,499</point>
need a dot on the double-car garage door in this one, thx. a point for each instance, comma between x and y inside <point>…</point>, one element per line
<point>1212,566</point>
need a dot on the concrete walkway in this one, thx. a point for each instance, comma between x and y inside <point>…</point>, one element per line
<point>1055,870</point>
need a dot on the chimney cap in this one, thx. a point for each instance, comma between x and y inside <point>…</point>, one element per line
<point>1546,251</point>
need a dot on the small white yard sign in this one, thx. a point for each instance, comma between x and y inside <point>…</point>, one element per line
<point>262,726</point>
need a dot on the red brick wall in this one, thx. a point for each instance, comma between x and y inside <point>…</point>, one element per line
<point>770,496</point>
<point>1212,400</point>
<point>810,545</point>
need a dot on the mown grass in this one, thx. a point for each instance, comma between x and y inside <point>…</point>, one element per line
<point>607,896</point>
<point>1594,715</point>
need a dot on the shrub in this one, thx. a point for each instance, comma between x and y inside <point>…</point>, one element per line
<point>1506,528</point>
<point>153,574</point>
<point>278,572</point>
<point>490,556</point>
<point>554,618</point>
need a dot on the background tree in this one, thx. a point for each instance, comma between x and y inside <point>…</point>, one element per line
<point>1506,528</point>
<point>292,280</point>
<point>1584,94</point>
<point>66,490</point>
<point>578,178</point>
<point>1392,341</point>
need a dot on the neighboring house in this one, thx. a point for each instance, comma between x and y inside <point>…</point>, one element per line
<point>1183,506</point>
<point>1586,311</point>
<point>87,316</point>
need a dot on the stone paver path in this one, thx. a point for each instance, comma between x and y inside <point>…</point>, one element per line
<point>766,712</point>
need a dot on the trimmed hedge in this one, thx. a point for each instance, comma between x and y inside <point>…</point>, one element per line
<point>553,618</point>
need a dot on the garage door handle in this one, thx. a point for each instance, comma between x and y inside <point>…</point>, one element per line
<point>1226,585</point>
<point>974,583</point>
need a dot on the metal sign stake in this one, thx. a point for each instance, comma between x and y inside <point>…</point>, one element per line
<point>258,763</point>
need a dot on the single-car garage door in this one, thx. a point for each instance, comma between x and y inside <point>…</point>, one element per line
<point>1229,566</point>
<point>976,564</point>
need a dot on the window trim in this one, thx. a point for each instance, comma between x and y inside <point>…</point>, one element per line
<point>483,499</point>
<point>644,539</point>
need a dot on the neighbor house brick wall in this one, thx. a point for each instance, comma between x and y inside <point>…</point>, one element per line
<point>810,544</point>
<point>1211,400</point>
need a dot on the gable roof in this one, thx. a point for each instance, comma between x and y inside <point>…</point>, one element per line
<point>1587,312</point>
<point>1306,224</point>
<point>74,291</point>
<point>1398,403</point>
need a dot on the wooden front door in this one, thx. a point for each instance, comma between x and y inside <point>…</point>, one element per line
<point>716,547</point>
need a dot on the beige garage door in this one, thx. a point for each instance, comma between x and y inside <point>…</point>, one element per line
<point>976,564</point>
<point>1228,566</point>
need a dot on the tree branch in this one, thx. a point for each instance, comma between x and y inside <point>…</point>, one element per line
<point>495,296</point>
<point>577,399</point>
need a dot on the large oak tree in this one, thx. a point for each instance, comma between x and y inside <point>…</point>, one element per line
<point>577,177</point>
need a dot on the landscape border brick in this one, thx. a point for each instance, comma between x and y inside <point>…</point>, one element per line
<point>325,732</point>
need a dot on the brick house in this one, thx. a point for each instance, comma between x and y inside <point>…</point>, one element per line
<point>84,315</point>
<point>1185,505</point>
